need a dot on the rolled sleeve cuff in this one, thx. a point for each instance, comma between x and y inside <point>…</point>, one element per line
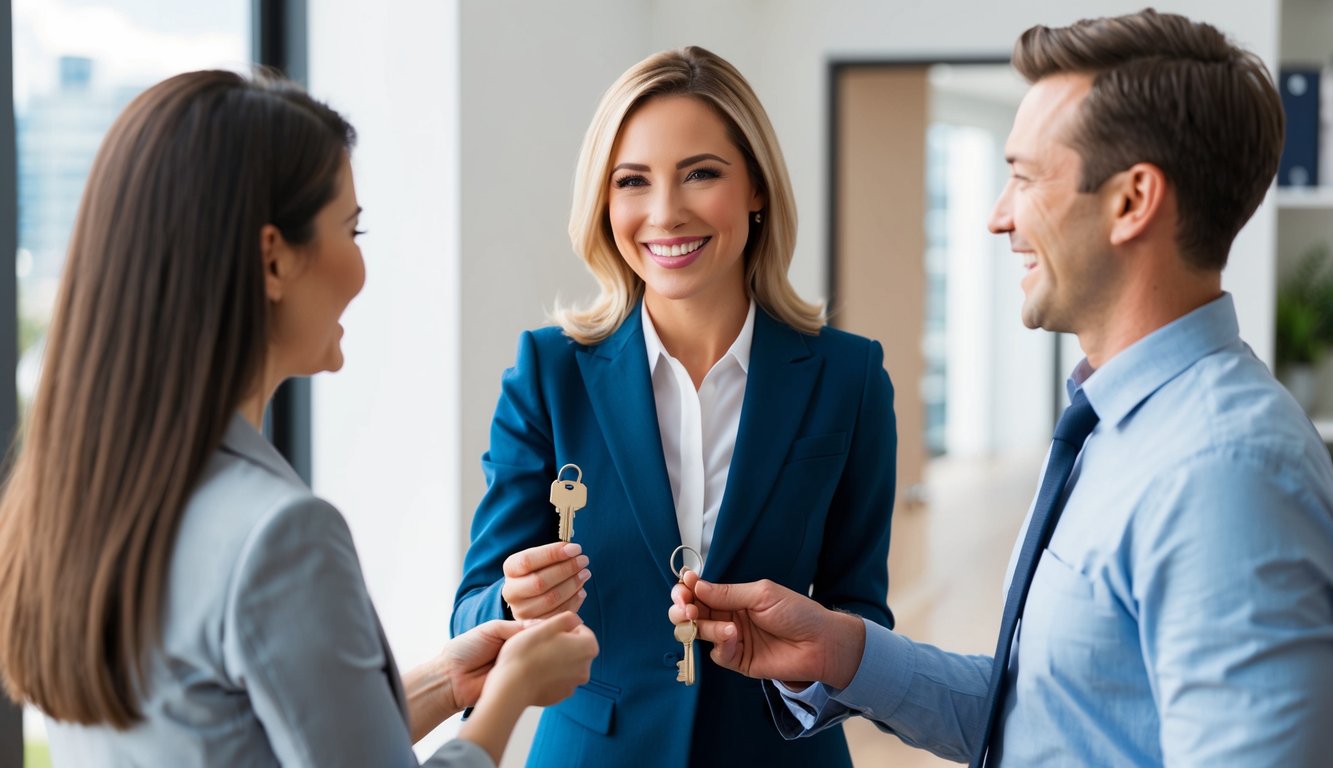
<point>882,679</point>
<point>877,689</point>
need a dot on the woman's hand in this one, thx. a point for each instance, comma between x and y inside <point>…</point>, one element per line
<point>546,661</point>
<point>454,678</point>
<point>539,666</point>
<point>546,580</point>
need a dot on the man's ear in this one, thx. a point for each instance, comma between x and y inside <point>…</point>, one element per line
<point>277,256</point>
<point>1138,200</point>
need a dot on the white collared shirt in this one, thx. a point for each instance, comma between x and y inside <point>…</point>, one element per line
<point>698,428</point>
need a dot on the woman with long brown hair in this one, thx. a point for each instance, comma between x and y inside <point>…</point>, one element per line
<point>170,592</point>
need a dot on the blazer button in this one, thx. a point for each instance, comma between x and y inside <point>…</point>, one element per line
<point>670,659</point>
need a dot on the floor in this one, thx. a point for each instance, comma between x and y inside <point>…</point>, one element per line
<point>970,519</point>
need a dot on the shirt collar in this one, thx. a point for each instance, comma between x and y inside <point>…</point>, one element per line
<point>1132,375</point>
<point>740,348</point>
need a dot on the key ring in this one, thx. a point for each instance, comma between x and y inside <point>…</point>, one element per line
<point>578,479</point>
<point>680,551</point>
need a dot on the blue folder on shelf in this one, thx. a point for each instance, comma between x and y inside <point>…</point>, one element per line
<point>1299,166</point>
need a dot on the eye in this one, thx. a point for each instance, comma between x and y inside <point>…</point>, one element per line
<point>632,180</point>
<point>357,233</point>
<point>703,174</point>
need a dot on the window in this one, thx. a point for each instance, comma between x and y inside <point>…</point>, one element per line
<point>76,65</point>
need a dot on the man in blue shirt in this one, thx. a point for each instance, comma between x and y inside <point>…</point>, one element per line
<point>1180,607</point>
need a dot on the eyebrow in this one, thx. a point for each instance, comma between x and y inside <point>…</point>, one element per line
<point>358,211</point>
<point>691,160</point>
<point>700,158</point>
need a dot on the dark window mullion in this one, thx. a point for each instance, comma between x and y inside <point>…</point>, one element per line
<point>279,30</point>
<point>11,715</point>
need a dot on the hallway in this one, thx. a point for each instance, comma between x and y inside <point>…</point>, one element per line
<point>975,509</point>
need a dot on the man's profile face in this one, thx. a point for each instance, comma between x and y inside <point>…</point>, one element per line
<point>1060,233</point>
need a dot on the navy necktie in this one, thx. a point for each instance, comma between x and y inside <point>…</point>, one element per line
<point>1075,424</point>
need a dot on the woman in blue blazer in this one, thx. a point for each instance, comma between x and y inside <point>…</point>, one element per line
<point>706,405</point>
<point>171,593</point>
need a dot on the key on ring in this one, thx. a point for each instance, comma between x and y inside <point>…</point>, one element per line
<point>687,632</point>
<point>568,496</point>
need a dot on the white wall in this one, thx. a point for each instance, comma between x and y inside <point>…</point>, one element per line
<point>386,426</point>
<point>531,75</point>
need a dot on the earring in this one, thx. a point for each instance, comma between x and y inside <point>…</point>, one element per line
<point>758,217</point>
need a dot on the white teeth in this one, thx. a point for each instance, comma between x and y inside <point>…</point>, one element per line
<point>676,250</point>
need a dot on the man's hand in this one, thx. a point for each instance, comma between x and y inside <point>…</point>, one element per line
<point>763,630</point>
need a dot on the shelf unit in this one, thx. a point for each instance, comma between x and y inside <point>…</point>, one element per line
<point>1305,215</point>
<point>1325,429</point>
<point>1304,198</point>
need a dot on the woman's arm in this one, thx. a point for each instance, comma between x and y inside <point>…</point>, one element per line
<point>852,573</point>
<point>302,641</point>
<point>514,527</point>
<point>539,666</point>
<point>443,686</point>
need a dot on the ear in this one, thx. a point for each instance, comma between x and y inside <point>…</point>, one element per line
<point>278,257</point>
<point>758,201</point>
<point>1138,200</point>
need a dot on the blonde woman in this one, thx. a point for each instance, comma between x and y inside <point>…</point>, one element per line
<point>707,405</point>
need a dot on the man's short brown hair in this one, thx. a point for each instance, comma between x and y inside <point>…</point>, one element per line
<point>1177,94</point>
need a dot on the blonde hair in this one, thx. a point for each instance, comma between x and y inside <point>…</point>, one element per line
<point>690,71</point>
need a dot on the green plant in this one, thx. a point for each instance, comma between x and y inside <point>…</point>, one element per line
<point>1305,310</point>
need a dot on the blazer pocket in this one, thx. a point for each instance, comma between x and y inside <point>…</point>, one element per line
<point>592,706</point>
<point>815,446</point>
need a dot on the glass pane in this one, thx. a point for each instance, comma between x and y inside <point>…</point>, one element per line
<point>77,63</point>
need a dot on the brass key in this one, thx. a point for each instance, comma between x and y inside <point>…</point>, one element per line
<point>685,634</point>
<point>568,496</point>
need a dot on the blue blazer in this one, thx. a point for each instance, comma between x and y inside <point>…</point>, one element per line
<point>807,504</point>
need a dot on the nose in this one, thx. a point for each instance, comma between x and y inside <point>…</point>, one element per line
<point>1002,217</point>
<point>667,210</point>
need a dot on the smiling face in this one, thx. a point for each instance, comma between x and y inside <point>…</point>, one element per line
<point>1062,234</point>
<point>680,201</point>
<point>323,278</point>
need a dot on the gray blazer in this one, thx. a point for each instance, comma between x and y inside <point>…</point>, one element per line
<point>271,653</point>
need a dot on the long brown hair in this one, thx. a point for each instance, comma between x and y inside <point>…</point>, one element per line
<point>158,334</point>
<point>1175,93</point>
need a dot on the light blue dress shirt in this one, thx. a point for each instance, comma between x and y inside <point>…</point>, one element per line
<point>1183,613</point>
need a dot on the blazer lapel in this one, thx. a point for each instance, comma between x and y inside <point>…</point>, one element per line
<point>779,384</point>
<point>620,388</point>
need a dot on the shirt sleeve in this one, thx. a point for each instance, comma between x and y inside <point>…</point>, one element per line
<point>927,697</point>
<point>1233,576</point>
<point>305,644</point>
